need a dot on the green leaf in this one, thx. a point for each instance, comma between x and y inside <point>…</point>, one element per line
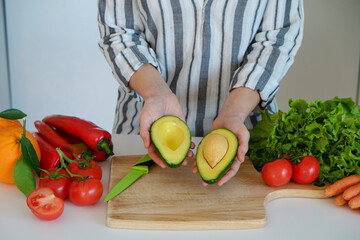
<point>29,154</point>
<point>12,114</point>
<point>23,176</point>
<point>299,105</point>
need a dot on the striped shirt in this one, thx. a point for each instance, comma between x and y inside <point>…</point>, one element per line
<point>202,49</point>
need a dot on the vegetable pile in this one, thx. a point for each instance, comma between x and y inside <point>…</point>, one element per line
<point>75,136</point>
<point>329,131</point>
<point>79,180</point>
<point>69,149</point>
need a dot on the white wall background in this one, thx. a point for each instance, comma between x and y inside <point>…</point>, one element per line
<point>4,79</point>
<point>327,64</point>
<point>55,66</point>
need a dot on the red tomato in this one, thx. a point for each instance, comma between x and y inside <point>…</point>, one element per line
<point>59,183</point>
<point>277,173</point>
<point>85,193</point>
<point>306,171</point>
<point>44,204</point>
<point>86,168</point>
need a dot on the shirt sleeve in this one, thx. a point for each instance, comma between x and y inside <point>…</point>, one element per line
<point>272,52</point>
<point>122,40</point>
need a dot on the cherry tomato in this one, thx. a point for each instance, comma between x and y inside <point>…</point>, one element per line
<point>44,204</point>
<point>277,173</point>
<point>59,182</point>
<point>306,171</point>
<point>85,192</point>
<point>86,168</point>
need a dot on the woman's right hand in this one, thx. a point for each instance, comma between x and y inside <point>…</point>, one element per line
<point>154,108</point>
<point>159,101</point>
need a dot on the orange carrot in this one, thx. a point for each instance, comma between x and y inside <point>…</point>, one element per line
<point>340,201</point>
<point>341,185</point>
<point>354,203</point>
<point>351,191</point>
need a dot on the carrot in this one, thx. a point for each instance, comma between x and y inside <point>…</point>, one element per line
<point>340,201</point>
<point>354,203</point>
<point>341,185</point>
<point>351,191</point>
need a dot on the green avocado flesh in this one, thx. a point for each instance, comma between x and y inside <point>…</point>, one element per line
<point>171,138</point>
<point>208,172</point>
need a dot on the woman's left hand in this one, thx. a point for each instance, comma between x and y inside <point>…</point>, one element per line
<point>239,104</point>
<point>239,129</point>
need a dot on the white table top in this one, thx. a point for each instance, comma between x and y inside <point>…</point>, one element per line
<point>288,218</point>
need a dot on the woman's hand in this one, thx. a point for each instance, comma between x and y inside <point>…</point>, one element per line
<point>233,124</point>
<point>159,101</point>
<point>154,108</point>
<point>236,108</point>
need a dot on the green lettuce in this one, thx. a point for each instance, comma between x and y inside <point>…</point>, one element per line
<point>328,130</point>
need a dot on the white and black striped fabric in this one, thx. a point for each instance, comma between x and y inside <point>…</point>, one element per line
<point>203,50</point>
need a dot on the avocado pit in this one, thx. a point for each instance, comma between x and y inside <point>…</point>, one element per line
<point>215,148</point>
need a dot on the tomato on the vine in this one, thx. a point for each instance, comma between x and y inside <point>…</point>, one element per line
<point>277,173</point>
<point>44,204</point>
<point>306,171</point>
<point>56,179</point>
<point>86,168</point>
<point>85,192</point>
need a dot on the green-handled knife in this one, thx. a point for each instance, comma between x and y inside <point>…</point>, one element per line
<point>140,168</point>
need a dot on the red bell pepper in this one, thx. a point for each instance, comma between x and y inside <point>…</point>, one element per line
<point>70,138</point>
<point>53,138</point>
<point>101,155</point>
<point>94,155</point>
<point>49,156</point>
<point>95,137</point>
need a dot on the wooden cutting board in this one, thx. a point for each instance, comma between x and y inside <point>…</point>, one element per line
<point>174,199</point>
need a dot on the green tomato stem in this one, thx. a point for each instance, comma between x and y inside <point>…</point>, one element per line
<point>63,165</point>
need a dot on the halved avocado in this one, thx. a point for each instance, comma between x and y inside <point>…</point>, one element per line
<point>215,154</point>
<point>171,138</point>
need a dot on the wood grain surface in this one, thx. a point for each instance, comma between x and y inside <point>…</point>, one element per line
<point>174,199</point>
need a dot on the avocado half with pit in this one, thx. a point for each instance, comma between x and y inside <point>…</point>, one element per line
<point>171,138</point>
<point>215,154</point>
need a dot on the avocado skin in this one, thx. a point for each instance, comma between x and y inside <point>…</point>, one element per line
<point>212,181</point>
<point>224,170</point>
<point>158,149</point>
<point>171,165</point>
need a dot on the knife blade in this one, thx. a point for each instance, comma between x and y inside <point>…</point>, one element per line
<point>139,169</point>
